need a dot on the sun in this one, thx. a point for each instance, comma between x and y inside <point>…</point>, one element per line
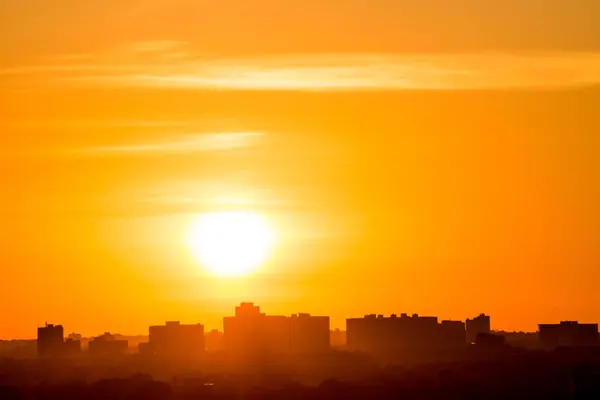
<point>231,243</point>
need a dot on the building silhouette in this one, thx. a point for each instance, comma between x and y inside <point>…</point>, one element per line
<point>107,346</point>
<point>145,350</point>
<point>404,336</point>
<point>309,334</point>
<point>252,332</point>
<point>72,348</point>
<point>175,341</point>
<point>377,334</point>
<point>50,341</point>
<point>74,336</point>
<point>477,325</point>
<point>490,341</point>
<point>452,335</point>
<point>568,334</point>
<point>213,341</point>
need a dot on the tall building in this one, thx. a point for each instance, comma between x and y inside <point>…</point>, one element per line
<point>477,325</point>
<point>404,335</point>
<point>377,334</point>
<point>213,341</point>
<point>176,341</point>
<point>568,334</point>
<point>50,341</point>
<point>309,334</point>
<point>245,333</point>
<point>452,335</point>
<point>107,346</point>
<point>251,332</point>
<point>247,310</point>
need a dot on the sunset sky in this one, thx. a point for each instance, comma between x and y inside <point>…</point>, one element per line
<point>421,156</point>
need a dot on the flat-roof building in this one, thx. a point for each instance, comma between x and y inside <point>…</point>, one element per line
<point>477,325</point>
<point>404,335</point>
<point>568,334</point>
<point>50,341</point>
<point>252,332</point>
<point>107,346</point>
<point>309,334</point>
<point>175,340</point>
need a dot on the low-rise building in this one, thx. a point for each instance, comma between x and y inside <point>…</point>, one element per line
<point>568,334</point>
<point>107,346</point>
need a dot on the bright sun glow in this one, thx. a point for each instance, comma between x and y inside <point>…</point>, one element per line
<point>231,243</point>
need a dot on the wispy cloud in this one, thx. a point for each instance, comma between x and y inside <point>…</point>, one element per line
<point>131,58</point>
<point>172,65</point>
<point>190,143</point>
<point>382,72</point>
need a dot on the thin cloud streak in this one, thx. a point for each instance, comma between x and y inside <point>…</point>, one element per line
<point>380,72</point>
<point>333,72</point>
<point>187,144</point>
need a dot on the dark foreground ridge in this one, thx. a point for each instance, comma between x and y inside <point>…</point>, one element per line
<point>518,375</point>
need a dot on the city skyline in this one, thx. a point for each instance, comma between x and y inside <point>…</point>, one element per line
<point>168,159</point>
<point>302,348</point>
<point>251,335</point>
<point>476,323</point>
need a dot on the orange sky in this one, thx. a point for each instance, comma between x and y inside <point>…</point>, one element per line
<point>413,156</point>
